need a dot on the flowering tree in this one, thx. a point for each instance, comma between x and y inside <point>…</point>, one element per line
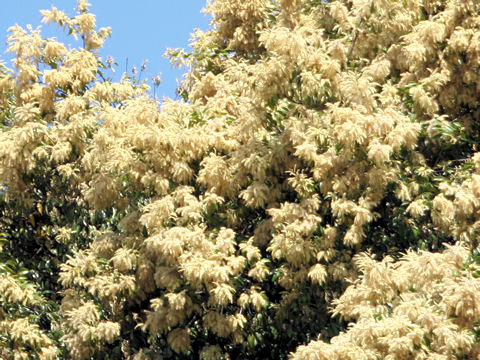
<point>320,168</point>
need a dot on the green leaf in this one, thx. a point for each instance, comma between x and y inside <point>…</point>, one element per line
<point>252,340</point>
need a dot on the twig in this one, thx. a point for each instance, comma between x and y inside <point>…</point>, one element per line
<point>353,44</point>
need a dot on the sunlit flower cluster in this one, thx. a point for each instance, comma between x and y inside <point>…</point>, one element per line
<point>304,127</point>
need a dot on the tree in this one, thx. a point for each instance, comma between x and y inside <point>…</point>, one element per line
<point>315,144</point>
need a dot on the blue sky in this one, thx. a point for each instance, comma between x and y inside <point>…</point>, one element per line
<point>141,29</point>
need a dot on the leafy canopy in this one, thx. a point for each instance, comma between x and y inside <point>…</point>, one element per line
<point>320,167</point>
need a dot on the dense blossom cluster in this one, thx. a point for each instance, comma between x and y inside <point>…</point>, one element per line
<point>245,219</point>
<point>399,315</point>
